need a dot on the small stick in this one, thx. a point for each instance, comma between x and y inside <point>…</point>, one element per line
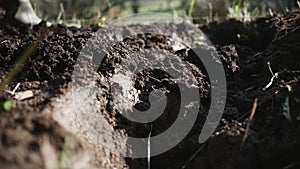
<point>249,123</point>
<point>269,65</point>
<point>275,76</point>
<point>193,156</point>
<point>16,88</point>
<point>149,148</point>
<point>210,7</point>
<point>292,165</point>
<point>61,13</point>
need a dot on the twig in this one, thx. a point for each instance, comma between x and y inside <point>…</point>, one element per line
<point>210,7</point>
<point>193,156</point>
<point>270,69</point>
<point>275,76</point>
<point>292,165</point>
<point>14,90</point>
<point>249,123</point>
<point>149,148</point>
<point>248,112</point>
<point>61,13</point>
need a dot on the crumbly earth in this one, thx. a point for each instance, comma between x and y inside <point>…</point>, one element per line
<point>44,131</point>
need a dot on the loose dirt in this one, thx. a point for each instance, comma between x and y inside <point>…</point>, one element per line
<point>44,131</point>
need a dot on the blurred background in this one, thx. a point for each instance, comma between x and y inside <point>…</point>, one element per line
<point>201,11</point>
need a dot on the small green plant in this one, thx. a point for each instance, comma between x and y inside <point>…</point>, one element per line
<point>241,12</point>
<point>7,106</point>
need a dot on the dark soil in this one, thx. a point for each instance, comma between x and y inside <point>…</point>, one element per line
<point>245,50</point>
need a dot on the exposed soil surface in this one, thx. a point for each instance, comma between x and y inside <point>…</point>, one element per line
<point>260,60</point>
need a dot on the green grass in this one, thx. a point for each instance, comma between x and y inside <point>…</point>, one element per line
<point>156,6</point>
<point>192,5</point>
<point>242,13</point>
<point>196,10</point>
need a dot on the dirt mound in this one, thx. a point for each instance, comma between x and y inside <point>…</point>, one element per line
<point>245,51</point>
